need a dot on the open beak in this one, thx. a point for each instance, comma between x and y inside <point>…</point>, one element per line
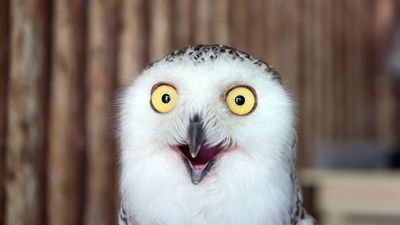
<point>197,155</point>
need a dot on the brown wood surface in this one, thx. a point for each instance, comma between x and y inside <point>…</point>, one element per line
<point>221,29</point>
<point>304,105</point>
<point>63,64</point>
<point>27,113</point>
<point>327,67</point>
<point>67,113</point>
<point>101,204</point>
<point>239,22</point>
<point>134,42</point>
<point>291,47</point>
<point>160,28</point>
<point>385,16</point>
<point>203,20</point>
<point>273,28</point>
<point>183,19</point>
<point>4,74</point>
<point>255,29</point>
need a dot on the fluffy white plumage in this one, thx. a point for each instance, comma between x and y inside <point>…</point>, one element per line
<point>251,183</point>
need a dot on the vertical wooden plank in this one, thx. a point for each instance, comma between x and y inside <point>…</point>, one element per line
<point>102,67</point>
<point>351,64</point>
<point>338,69</point>
<point>313,78</point>
<point>368,49</point>
<point>4,70</point>
<point>133,41</point>
<point>318,84</point>
<point>238,18</point>
<point>307,106</point>
<point>203,20</point>
<point>256,28</point>
<point>184,23</point>
<point>67,113</point>
<point>395,78</point>
<point>383,21</point>
<point>27,113</point>
<point>291,46</point>
<point>221,32</point>
<point>342,90</point>
<point>273,10</point>
<point>160,28</point>
<point>360,106</point>
<point>302,158</point>
<point>290,70</point>
<point>328,68</point>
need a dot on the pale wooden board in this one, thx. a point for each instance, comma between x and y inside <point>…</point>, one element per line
<point>344,194</point>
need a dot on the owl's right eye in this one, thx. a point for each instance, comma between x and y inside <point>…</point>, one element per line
<point>163,97</point>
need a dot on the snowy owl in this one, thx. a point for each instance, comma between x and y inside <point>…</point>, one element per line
<point>207,138</point>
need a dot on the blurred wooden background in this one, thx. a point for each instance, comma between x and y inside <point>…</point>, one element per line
<point>63,62</point>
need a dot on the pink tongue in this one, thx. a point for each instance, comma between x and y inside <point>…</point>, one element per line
<point>205,154</point>
<point>199,167</point>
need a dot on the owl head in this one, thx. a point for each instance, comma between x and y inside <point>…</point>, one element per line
<point>202,111</point>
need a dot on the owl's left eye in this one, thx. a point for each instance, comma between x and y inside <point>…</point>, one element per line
<point>241,100</point>
<point>163,98</point>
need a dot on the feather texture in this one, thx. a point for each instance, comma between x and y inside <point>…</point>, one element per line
<point>251,182</point>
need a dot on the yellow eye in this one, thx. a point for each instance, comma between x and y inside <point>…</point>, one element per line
<point>241,100</point>
<point>163,98</point>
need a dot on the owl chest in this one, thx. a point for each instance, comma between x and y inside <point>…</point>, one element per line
<point>220,205</point>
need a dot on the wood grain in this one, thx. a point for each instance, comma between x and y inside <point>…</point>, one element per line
<point>238,20</point>
<point>4,68</point>
<point>221,29</point>
<point>160,28</point>
<point>67,124</point>
<point>101,153</point>
<point>203,18</point>
<point>183,18</point>
<point>27,113</point>
<point>256,28</point>
<point>133,44</point>
<point>62,64</point>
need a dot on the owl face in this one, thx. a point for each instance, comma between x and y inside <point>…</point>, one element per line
<point>204,105</point>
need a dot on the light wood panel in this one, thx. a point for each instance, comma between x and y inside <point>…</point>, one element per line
<point>67,112</point>
<point>101,203</point>
<point>133,43</point>
<point>27,113</point>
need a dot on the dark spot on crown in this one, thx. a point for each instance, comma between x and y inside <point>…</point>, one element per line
<point>199,53</point>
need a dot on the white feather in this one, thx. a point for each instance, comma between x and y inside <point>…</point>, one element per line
<point>249,185</point>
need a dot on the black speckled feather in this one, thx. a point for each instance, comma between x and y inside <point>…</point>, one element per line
<point>208,53</point>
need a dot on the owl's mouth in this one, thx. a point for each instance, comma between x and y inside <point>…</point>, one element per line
<point>199,165</point>
<point>197,154</point>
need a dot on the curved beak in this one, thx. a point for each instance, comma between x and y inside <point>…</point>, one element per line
<point>196,135</point>
<point>197,156</point>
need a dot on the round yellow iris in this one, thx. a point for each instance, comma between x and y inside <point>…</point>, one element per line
<point>163,98</point>
<point>241,100</point>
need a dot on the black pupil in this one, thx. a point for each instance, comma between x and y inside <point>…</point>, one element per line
<point>166,98</point>
<point>239,100</point>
